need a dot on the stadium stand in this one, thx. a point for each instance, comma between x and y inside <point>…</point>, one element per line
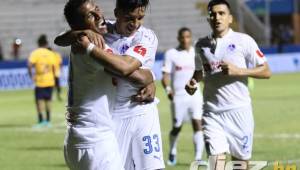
<point>27,19</point>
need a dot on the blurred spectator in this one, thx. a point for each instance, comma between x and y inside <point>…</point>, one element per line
<point>16,46</point>
<point>282,35</point>
<point>1,53</point>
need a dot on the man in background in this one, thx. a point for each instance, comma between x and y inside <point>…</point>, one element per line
<point>57,67</point>
<point>224,61</point>
<point>178,68</point>
<point>42,61</point>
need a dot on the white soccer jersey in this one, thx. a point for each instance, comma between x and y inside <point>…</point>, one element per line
<point>223,92</point>
<point>142,46</point>
<point>180,64</point>
<point>89,100</point>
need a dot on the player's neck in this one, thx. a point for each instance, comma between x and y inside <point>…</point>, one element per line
<point>221,34</point>
<point>180,47</point>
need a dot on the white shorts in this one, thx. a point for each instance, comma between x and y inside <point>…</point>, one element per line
<point>104,155</point>
<point>229,132</point>
<point>140,141</point>
<point>186,107</point>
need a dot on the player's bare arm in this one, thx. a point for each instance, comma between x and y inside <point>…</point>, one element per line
<point>70,37</point>
<point>166,84</point>
<point>29,67</point>
<point>140,77</point>
<point>191,87</point>
<point>146,94</point>
<point>260,72</point>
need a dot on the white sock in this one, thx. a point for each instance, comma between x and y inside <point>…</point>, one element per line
<point>173,144</point>
<point>199,144</point>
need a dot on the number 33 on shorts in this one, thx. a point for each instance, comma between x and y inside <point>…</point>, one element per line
<point>151,144</point>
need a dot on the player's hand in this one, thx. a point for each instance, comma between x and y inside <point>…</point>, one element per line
<point>95,38</point>
<point>170,96</point>
<point>191,87</point>
<point>80,46</point>
<point>146,94</point>
<point>230,69</point>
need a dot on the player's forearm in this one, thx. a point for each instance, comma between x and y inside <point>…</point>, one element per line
<point>260,72</point>
<point>141,77</point>
<point>198,75</point>
<point>165,81</point>
<point>66,39</point>
<point>29,72</point>
<point>122,65</point>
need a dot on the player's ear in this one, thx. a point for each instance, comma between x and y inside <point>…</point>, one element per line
<point>230,18</point>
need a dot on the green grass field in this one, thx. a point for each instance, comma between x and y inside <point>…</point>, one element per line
<point>277,133</point>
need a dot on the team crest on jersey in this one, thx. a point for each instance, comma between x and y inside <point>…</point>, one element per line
<point>231,47</point>
<point>124,49</point>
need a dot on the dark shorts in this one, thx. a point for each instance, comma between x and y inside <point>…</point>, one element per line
<point>43,93</point>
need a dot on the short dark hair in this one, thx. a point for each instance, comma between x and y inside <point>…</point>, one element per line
<point>213,3</point>
<point>182,30</point>
<point>72,14</point>
<point>42,40</point>
<point>130,5</point>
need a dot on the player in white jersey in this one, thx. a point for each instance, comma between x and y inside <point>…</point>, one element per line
<point>138,129</point>
<point>178,68</point>
<point>224,61</point>
<point>90,142</point>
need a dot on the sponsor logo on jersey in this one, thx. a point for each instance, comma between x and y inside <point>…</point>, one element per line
<point>140,50</point>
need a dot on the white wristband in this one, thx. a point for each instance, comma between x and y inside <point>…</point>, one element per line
<point>90,48</point>
<point>168,89</point>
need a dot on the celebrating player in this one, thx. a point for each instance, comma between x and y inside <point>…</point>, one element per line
<point>117,64</point>
<point>179,66</point>
<point>226,59</point>
<point>42,60</point>
<point>138,129</point>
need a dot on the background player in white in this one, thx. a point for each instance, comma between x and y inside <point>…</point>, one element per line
<point>138,128</point>
<point>90,141</point>
<point>226,59</point>
<point>178,68</point>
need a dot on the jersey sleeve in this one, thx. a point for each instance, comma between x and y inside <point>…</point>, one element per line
<point>32,58</point>
<point>167,66</point>
<point>198,60</point>
<point>254,56</point>
<point>143,48</point>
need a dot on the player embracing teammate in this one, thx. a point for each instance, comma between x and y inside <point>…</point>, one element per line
<point>128,56</point>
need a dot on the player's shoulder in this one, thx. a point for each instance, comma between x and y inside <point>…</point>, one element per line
<point>170,52</point>
<point>203,42</point>
<point>145,34</point>
<point>242,37</point>
<point>37,52</point>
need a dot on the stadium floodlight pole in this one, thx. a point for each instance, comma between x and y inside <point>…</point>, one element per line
<point>267,22</point>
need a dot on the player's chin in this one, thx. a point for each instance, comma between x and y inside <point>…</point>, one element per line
<point>102,30</point>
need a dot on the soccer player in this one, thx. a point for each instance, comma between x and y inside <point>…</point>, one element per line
<point>178,68</point>
<point>138,129</point>
<point>90,142</point>
<point>41,60</point>
<point>224,61</point>
<point>57,67</point>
